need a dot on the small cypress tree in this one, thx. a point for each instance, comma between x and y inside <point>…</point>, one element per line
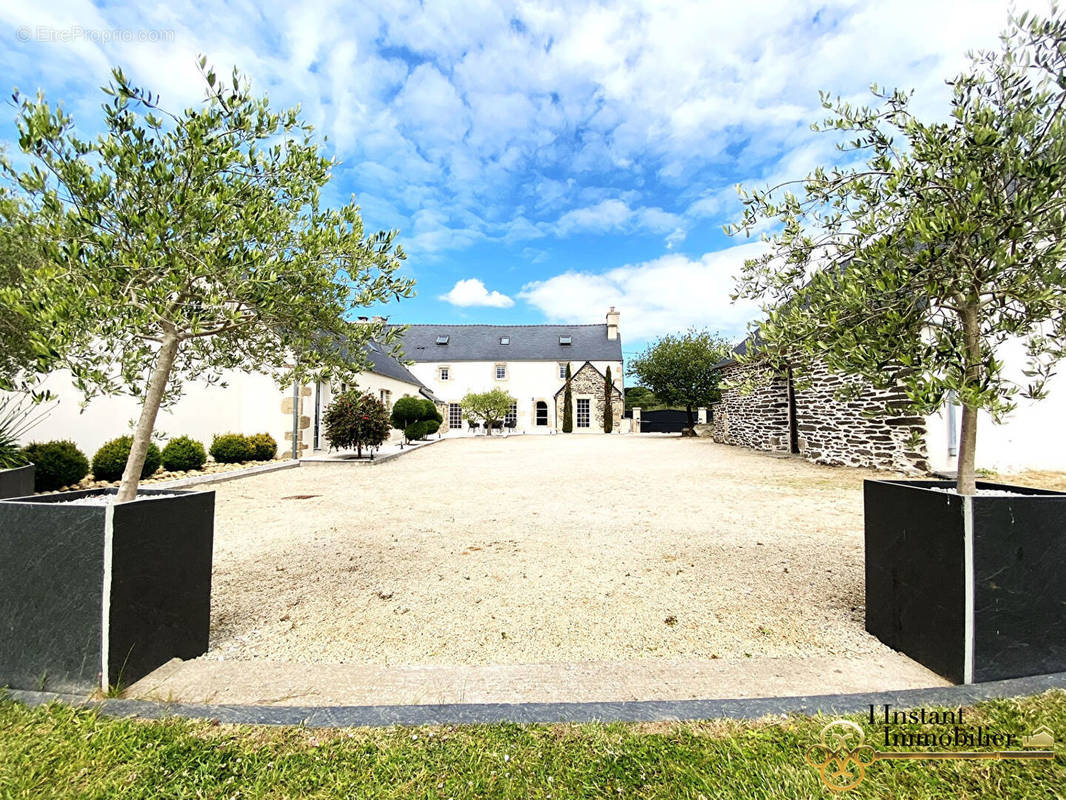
<point>568,412</point>
<point>608,408</point>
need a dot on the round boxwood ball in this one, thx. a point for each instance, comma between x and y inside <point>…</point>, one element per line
<point>232,448</point>
<point>58,464</point>
<point>183,454</point>
<point>110,460</point>
<point>264,445</point>
<point>415,431</point>
<point>431,426</point>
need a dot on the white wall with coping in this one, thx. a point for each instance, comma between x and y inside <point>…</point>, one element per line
<point>249,403</point>
<point>527,381</point>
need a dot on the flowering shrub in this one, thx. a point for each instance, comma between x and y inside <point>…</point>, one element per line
<point>356,420</point>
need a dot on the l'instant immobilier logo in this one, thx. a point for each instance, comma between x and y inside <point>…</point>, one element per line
<point>843,754</point>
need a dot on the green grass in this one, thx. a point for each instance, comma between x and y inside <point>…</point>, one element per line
<point>59,752</point>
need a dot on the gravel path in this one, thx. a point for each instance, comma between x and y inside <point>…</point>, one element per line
<point>532,550</point>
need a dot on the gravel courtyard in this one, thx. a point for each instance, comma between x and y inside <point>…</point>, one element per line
<point>536,550</point>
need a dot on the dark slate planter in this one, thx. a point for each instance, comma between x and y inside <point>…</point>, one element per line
<point>97,596</point>
<point>971,587</point>
<point>16,482</point>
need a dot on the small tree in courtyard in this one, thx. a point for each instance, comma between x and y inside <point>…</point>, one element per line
<point>177,246</point>
<point>355,420</point>
<point>489,408</point>
<point>568,399</point>
<point>409,410</point>
<point>914,268</point>
<point>608,406</point>
<point>680,369</point>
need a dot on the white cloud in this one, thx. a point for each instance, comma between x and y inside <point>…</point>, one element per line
<point>472,292</point>
<point>655,297</point>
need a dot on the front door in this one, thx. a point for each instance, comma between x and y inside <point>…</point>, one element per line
<point>583,415</point>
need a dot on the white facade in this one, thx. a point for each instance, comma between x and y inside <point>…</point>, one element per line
<point>1033,436</point>
<point>529,382</point>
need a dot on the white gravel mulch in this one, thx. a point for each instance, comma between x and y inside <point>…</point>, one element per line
<point>537,549</point>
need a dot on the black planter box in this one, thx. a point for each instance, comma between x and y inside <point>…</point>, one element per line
<point>97,596</point>
<point>17,482</point>
<point>971,587</point>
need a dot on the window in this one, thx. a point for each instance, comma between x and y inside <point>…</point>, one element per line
<point>562,371</point>
<point>505,340</point>
<point>583,412</point>
<point>565,340</point>
<point>443,372</point>
<point>386,399</point>
<point>542,413</point>
<point>511,420</point>
<point>455,416</point>
<point>501,372</point>
<point>442,339</point>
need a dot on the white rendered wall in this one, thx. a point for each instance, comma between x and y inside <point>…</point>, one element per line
<point>1033,436</point>
<point>251,403</point>
<point>527,381</point>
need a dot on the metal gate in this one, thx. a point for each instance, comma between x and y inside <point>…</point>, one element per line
<point>665,421</point>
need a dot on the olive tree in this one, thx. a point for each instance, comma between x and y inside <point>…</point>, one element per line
<point>489,407</point>
<point>180,245</point>
<point>915,267</point>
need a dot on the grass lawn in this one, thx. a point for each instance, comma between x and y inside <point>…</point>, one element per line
<point>58,752</point>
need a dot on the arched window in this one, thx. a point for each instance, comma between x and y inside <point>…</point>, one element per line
<point>542,413</point>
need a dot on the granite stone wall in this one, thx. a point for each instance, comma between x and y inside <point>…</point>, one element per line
<point>588,382</point>
<point>849,432</point>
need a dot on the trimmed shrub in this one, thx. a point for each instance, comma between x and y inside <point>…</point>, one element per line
<point>232,448</point>
<point>264,445</point>
<point>405,411</point>
<point>183,454</point>
<point>415,431</point>
<point>58,464</point>
<point>431,412</point>
<point>432,426</point>
<point>110,460</point>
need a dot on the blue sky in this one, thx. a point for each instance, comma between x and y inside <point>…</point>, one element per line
<point>542,161</point>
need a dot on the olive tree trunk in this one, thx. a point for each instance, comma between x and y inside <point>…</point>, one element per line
<point>142,434</point>
<point>965,482</point>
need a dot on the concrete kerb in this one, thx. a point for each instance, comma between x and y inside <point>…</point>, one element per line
<point>218,477</point>
<point>367,462</point>
<point>548,713</point>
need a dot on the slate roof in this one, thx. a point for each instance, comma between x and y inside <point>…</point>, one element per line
<point>384,364</point>
<point>527,343</point>
<point>740,350</point>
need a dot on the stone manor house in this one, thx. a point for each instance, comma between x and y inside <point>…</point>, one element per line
<point>440,362</point>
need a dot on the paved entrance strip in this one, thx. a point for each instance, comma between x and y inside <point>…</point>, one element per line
<point>285,684</point>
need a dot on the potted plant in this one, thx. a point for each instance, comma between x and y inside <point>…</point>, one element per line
<point>910,272</point>
<point>156,270</point>
<point>16,472</point>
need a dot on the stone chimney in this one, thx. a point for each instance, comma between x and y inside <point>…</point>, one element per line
<point>612,323</point>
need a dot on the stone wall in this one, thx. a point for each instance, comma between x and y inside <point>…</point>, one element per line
<point>852,432</point>
<point>588,382</point>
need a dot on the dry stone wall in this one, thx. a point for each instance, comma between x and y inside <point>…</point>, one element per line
<point>850,432</point>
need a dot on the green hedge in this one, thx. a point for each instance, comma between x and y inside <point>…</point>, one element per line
<point>232,448</point>
<point>183,454</point>
<point>110,460</point>
<point>58,464</point>
<point>264,445</point>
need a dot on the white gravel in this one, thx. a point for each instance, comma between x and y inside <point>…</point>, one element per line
<point>543,549</point>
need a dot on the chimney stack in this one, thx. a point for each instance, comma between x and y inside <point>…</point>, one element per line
<point>612,323</point>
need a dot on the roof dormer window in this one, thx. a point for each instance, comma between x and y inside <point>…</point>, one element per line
<point>565,340</point>
<point>442,339</point>
<point>505,340</point>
